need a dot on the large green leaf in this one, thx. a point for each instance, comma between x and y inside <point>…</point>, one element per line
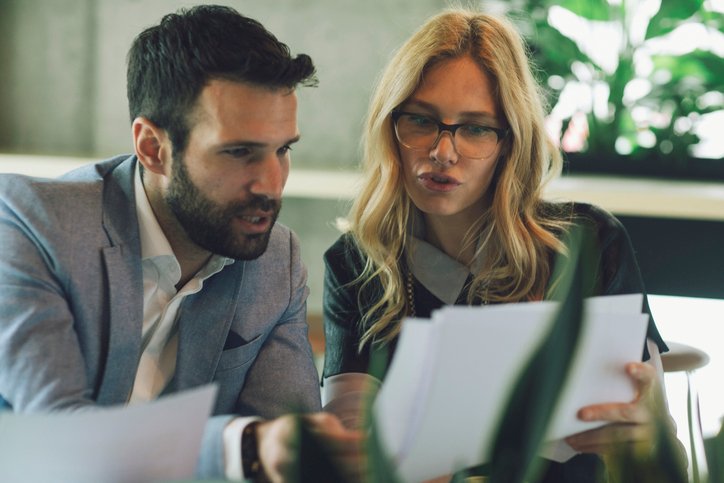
<point>700,64</point>
<point>590,9</point>
<point>714,448</point>
<point>670,15</point>
<point>554,52</point>
<point>523,426</point>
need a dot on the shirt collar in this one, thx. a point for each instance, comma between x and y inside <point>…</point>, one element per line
<point>153,241</point>
<point>155,245</point>
<point>441,274</point>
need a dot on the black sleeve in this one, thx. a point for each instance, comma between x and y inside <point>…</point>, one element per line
<point>341,309</point>
<point>619,271</point>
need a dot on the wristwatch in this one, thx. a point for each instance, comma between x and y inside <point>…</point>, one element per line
<point>250,464</point>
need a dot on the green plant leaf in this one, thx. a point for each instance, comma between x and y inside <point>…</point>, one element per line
<point>703,66</point>
<point>590,9</point>
<point>670,15</point>
<point>315,462</point>
<point>554,53</point>
<point>523,426</point>
<point>714,448</point>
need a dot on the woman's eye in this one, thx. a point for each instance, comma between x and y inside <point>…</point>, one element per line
<point>419,120</point>
<point>476,130</point>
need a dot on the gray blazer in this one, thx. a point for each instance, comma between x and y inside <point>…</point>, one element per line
<point>71,297</point>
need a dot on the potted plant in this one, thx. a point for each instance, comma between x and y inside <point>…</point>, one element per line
<point>623,98</point>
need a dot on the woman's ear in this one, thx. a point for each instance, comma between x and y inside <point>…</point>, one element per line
<point>152,146</point>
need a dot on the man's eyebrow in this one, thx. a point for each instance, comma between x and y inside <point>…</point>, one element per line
<point>254,144</point>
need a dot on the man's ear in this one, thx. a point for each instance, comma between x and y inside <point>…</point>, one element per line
<point>152,146</point>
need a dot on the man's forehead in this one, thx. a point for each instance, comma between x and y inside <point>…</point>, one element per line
<point>234,109</point>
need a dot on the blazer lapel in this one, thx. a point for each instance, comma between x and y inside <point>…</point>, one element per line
<point>124,278</point>
<point>204,324</point>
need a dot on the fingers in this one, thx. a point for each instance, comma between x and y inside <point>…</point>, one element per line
<point>278,442</point>
<point>610,438</point>
<point>632,422</point>
<point>637,411</point>
<point>634,412</point>
<point>279,449</point>
<point>643,375</point>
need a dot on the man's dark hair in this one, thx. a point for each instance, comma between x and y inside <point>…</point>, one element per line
<point>170,63</point>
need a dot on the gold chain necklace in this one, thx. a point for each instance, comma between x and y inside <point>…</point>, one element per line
<point>410,294</point>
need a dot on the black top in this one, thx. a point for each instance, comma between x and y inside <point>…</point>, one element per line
<point>345,302</point>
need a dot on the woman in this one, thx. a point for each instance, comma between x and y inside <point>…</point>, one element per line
<point>450,212</point>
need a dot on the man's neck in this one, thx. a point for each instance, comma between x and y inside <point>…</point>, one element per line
<point>191,258</point>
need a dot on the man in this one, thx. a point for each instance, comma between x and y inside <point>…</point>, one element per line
<point>149,274</point>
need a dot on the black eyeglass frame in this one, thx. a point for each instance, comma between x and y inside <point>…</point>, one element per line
<point>500,133</point>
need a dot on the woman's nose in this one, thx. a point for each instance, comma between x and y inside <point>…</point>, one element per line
<point>443,151</point>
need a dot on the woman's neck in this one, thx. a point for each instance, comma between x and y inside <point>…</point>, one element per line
<point>452,236</point>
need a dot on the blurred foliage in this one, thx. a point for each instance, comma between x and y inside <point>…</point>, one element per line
<point>523,426</point>
<point>654,99</point>
<point>714,448</point>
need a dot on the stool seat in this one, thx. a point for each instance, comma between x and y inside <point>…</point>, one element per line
<point>682,357</point>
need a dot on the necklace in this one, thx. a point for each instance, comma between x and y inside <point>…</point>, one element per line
<point>411,295</point>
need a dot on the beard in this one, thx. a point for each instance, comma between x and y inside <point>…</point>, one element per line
<point>210,225</point>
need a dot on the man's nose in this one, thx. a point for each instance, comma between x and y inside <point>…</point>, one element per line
<point>270,177</point>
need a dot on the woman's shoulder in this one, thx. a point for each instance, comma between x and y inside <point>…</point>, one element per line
<point>345,256</point>
<point>345,247</point>
<point>585,214</point>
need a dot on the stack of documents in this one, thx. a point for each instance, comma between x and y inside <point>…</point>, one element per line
<point>157,441</point>
<point>445,391</point>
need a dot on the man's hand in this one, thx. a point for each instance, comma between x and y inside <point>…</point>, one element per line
<point>279,447</point>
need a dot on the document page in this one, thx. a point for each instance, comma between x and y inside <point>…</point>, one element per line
<point>156,441</point>
<point>451,376</point>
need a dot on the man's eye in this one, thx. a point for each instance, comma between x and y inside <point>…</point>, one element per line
<point>239,152</point>
<point>284,150</point>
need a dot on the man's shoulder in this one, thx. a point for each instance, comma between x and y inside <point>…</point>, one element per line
<point>76,197</point>
<point>13,185</point>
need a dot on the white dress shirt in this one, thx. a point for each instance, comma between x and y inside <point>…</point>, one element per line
<point>161,301</point>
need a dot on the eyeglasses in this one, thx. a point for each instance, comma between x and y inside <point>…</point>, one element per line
<point>471,140</point>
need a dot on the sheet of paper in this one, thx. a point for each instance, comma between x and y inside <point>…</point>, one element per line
<point>446,387</point>
<point>156,441</point>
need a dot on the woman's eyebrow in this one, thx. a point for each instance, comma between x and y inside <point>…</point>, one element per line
<point>434,109</point>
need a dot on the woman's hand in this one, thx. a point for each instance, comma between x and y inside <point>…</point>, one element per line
<point>633,423</point>
<point>279,449</point>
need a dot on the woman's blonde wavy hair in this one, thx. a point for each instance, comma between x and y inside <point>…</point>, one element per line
<point>515,233</point>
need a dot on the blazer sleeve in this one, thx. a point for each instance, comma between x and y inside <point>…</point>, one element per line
<point>41,361</point>
<point>283,377</point>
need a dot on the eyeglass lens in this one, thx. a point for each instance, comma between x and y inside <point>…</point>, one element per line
<point>421,132</point>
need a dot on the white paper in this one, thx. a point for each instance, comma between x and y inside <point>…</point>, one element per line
<point>444,393</point>
<point>156,441</point>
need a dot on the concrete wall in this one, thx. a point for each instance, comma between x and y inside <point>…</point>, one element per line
<point>62,81</point>
<point>63,87</point>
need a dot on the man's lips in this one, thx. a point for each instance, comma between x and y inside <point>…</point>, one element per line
<point>438,182</point>
<point>253,223</point>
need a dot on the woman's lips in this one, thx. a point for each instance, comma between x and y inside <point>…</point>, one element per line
<point>438,182</point>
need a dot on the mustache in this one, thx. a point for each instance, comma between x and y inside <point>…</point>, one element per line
<point>259,202</point>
